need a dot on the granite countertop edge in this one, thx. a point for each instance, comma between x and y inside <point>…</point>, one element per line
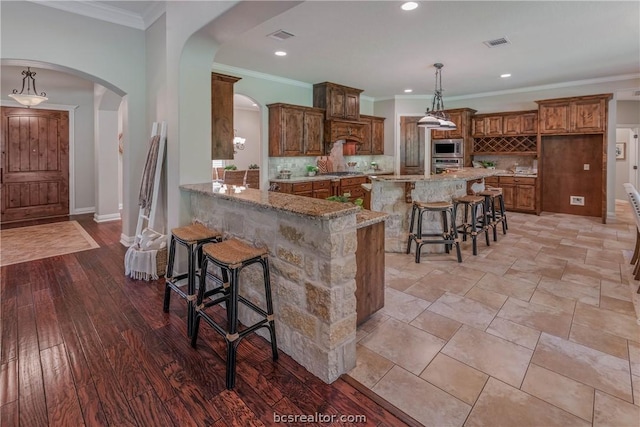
<point>464,174</point>
<point>288,203</point>
<point>365,218</point>
<point>328,176</point>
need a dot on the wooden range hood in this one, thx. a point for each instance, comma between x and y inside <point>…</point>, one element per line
<point>352,132</point>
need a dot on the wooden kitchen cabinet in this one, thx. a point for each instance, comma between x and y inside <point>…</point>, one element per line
<point>335,130</point>
<point>519,193</point>
<point>520,123</point>
<point>487,125</point>
<point>353,186</point>
<point>339,102</point>
<point>370,258</point>
<point>373,135</point>
<point>295,130</point>
<point>586,114</point>
<point>319,189</point>
<point>462,118</point>
<point>222,116</point>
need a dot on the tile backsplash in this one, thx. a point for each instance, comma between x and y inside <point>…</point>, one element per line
<point>508,162</point>
<point>298,165</point>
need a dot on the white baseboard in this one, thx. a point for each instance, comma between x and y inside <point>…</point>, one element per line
<point>127,240</point>
<point>106,218</point>
<point>80,211</point>
<point>611,216</point>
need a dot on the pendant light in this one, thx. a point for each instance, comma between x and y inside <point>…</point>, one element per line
<point>28,99</point>
<point>436,117</point>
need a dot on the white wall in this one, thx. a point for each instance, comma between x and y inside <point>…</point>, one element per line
<point>248,125</point>
<point>624,135</point>
<point>628,113</point>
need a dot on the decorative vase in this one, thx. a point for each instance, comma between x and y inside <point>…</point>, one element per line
<point>311,173</point>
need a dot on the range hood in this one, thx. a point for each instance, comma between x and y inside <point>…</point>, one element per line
<point>347,130</point>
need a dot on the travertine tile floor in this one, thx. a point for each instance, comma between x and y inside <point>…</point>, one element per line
<point>539,329</point>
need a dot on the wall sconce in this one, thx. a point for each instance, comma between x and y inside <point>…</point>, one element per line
<point>238,142</point>
<point>28,99</point>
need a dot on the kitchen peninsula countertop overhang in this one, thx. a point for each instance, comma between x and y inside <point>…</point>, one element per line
<point>463,174</point>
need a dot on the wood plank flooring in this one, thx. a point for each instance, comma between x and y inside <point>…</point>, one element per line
<point>81,344</point>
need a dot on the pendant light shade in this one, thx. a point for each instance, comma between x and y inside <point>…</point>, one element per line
<point>28,99</point>
<point>436,117</point>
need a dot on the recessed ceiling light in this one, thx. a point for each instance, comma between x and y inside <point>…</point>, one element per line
<point>410,5</point>
<point>504,76</point>
<point>408,90</point>
<point>254,104</point>
<point>281,53</point>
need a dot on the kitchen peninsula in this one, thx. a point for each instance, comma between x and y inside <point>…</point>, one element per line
<point>313,254</point>
<point>393,194</point>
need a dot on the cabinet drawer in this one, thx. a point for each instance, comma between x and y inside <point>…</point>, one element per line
<point>300,187</point>
<point>354,192</point>
<point>353,181</point>
<point>517,180</point>
<point>317,185</point>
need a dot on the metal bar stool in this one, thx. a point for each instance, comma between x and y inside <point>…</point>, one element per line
<point>474,225</point>
<point>495,212</point>
<point>449,235</point>
<point>231,256</point>
<point>192,237</point>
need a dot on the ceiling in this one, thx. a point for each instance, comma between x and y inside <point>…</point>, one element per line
<point>376,46</point>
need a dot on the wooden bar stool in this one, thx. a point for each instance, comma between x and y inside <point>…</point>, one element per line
<point>449,235</point>
<point>231,256</point>
<point>472,225</point>
<point>192,237</point>
<point>494,205</point>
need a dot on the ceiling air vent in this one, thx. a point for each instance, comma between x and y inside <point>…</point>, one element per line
<point>497,42</point>
<point>280,35</point>
<point>636,93</point>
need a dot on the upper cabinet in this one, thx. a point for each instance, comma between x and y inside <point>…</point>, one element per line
<point>462,118</point>
<point>513,123</point>
<point>340,102</point>
<point>373,141</point>
<point>295,130</point>
<point>222,116</point>
<point>586,114</point>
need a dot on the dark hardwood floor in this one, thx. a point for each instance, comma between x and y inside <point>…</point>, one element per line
<point>84,345</point>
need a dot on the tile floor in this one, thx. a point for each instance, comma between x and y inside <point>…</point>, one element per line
<point>539,329</point>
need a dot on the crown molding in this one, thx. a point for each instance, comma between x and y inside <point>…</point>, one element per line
<point>231,69</point>
<point>97,11</point>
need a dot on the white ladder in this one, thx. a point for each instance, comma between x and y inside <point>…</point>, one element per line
<point>151,219</point>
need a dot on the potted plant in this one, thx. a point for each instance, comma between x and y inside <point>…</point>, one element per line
<point>312,170</point>
<point>230,167</point>
<point>489,164</point>
<point>254,166</point>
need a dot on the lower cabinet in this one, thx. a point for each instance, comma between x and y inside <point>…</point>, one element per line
<point>318,189</point>
<point>353,187</point>
<point>519,192</point>
<point>369,271</point>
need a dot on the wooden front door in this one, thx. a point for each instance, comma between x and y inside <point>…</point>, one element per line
<point>412,147</point>
<point>34,178</point>
<point>573,166</point>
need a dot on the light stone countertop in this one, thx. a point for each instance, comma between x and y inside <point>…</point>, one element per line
<point>524,175</point>
<point>326,176</point>
<point>299,205</point>
<point>464,174</point>
<point>365,218</point>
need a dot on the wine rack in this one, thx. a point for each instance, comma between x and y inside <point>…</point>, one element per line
<point>523,145</point>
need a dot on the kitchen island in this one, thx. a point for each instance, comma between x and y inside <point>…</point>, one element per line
<point>313,249</point>
<point>393,194</point>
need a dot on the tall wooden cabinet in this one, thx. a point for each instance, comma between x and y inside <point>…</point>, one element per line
<point>295,130</point>
<point>585,114</point>
<point>340,102</point>
<point>462,118</point>
<point>222,116</point>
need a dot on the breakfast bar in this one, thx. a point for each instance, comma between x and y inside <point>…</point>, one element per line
<point>393,194</point>
<point>313,250</point>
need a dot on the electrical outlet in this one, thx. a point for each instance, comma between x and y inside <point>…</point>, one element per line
<point>586,166</point>
<point>576,200</point>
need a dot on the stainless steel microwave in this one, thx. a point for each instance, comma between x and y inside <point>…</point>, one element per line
<point>447,148</point>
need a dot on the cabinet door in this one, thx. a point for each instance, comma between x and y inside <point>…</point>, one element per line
<point>352,106</point>
<point>337,103</point>
<point>367,131</point>
<point>313,133</point>
<point>377,136</point>
<point>323,193</point>
<point>222,116</point>
<point>555,118</point>
<point>508,193</point>
<point>525,197</point>
<point>529,124</point>
<point>455,117</point>
<point>292,141</point>
<point>493,126</point>
<point>511,125</point>
<point>588,116</point>
<point>477,124</point>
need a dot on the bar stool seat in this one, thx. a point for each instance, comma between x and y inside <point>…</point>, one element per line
<point>448,237</point>
<point>496,212</point>
<point>473,225</point>
<point>231,256</point>
<point>192,237</point>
